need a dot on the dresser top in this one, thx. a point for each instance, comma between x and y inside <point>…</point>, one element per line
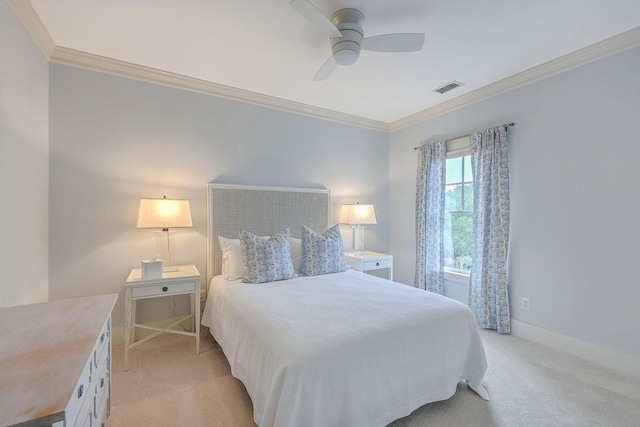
<point>43,350</point>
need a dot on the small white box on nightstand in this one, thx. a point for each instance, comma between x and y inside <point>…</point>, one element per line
<point>151,269</point>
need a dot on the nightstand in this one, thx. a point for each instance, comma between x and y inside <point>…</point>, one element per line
<point>184,281</point>
<point>367,261</point>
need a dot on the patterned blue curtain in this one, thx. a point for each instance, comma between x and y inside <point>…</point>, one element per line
<point>488,295</point>
<point>430,186</point>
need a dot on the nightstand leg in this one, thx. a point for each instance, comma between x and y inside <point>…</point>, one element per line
<point>192,300</point>
<point>196,316</point>
<point>127,327</point>
<point>134,308</point>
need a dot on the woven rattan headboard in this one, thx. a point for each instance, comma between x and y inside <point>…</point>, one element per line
<point>261,210</point>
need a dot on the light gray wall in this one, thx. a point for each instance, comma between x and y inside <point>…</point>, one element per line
<point>115,140</point>
<point>574,197</point>
<point>574,240</point>
<point>24,172</point>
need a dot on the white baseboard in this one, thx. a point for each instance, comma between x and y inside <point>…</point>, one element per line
<point>612,359</point>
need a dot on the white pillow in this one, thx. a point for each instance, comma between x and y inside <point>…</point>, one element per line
<point>232,266</point>
<point>296,254</point>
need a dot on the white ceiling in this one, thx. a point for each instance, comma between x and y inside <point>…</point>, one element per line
<point>266,47</point>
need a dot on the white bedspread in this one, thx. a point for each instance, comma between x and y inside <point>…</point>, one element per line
<point>343,349</point>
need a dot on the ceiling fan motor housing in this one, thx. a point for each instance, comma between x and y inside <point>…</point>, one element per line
<point>346,49</point>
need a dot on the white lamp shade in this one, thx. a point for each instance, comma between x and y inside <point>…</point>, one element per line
<point>358,214</point>
<point>164,213</point>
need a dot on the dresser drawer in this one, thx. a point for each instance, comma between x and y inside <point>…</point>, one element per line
<point>163,289</point>
<point>84,417</point>
<point>83,389</point>
<point>373,264</point>
<point>102,346</point>
<point>101,394</point>
<point>101,418</point>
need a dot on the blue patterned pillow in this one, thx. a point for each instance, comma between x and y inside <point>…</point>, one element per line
<point>322,253</point>
<point>266,260</point>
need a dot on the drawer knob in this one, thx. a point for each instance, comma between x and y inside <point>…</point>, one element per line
<point>80,390</point>
<point>377,264</point>
<point>101,382</point>
<point>165,289</point>
<point>101,338</point>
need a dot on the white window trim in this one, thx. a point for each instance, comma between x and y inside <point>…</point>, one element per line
<point>459,147</point>
<point>455,275</point>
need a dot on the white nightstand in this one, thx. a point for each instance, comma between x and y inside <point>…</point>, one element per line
<point>184,281</point>
<point>367,261</point>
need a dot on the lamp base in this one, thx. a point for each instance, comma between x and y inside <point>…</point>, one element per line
<point>357,239</point>
<point>170,269</point>
<point>356,253</point>
<point>166,247</point>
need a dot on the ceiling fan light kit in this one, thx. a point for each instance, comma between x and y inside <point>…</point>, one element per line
<point>346,47</point>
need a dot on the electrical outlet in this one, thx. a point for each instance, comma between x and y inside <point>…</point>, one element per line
<point>526,304</point>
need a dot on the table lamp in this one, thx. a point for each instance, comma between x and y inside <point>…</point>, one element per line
<point>357,216</point>
<point>165,214</point>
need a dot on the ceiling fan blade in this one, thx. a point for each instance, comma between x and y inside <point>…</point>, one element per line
<point>317,18</point>
<point>325,71</point>
<point>397,42</point>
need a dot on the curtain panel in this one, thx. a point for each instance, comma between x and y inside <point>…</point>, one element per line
<point>430,188</point>
<point>488,294</point>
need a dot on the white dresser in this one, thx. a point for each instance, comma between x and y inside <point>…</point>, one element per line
<point>55,362</point>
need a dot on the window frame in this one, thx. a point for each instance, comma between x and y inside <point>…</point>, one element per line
<point>459,147</point>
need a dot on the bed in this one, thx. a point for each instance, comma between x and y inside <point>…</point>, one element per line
<point>339,349</point>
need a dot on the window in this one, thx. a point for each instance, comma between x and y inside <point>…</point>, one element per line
<point>458,217</point>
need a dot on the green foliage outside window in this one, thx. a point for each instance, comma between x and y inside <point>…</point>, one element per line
<point>458,216</point>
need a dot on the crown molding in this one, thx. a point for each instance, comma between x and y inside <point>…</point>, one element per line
<point>34,26</point>
<point>74,58</point>
<point>575,59</point>
<point>102,64</point>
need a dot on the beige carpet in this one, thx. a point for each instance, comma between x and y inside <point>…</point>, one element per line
<point>530,385</point>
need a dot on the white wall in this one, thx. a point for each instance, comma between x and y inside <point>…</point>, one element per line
<point>24,164</point>
<point>574,197</point>
<point>115,140</point>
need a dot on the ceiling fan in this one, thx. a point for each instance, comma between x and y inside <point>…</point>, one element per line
<point>347,37</point>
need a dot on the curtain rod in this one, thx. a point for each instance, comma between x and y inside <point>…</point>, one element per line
<point>464,136</point>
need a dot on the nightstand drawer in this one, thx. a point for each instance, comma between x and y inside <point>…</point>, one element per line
<point>373,264</point>
<point>163,289</point>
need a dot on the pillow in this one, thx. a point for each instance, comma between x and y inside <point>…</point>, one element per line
<point>266,260</point>
<point>232,266</point>
<point>322,253</point>
<point>296,254</point>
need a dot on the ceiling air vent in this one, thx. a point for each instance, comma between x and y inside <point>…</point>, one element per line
<point>449,86</point>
